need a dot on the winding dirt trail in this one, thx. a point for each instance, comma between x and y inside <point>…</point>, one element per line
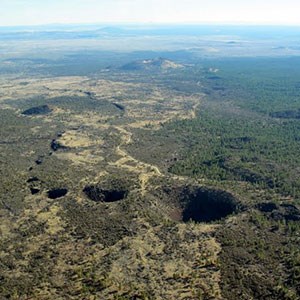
<point>145,170</point>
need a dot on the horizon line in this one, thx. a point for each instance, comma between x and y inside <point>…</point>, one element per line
<point>157,24</point>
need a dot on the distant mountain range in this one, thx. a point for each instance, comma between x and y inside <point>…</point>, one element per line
<point>96,31</point>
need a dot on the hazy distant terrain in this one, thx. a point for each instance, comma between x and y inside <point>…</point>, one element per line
<point>149,162</point>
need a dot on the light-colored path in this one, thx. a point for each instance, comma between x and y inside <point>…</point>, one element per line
<point>145,170</point>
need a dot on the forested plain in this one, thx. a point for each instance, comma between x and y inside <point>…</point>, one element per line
<point>248,128</point>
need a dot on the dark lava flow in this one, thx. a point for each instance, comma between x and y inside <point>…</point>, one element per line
<point>279,212</point>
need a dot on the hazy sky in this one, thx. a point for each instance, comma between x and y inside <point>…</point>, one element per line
<point>31,12</point>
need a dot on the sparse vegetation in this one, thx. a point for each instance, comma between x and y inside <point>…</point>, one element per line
<point>172,178</point>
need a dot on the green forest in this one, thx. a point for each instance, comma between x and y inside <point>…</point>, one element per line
<point>243,129</point>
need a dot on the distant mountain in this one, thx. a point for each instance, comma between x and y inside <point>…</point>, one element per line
<point>151,64</point>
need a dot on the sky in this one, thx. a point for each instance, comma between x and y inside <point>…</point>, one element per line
<point>36,12</point>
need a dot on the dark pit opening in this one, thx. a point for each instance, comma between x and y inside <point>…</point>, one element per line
<point>34,191</point>
<point>98,194</point>
<point>57,193</point>
<point>55,145</point>
<point>207,205</point>
<point>39,161</point>
<point>38,110</point>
